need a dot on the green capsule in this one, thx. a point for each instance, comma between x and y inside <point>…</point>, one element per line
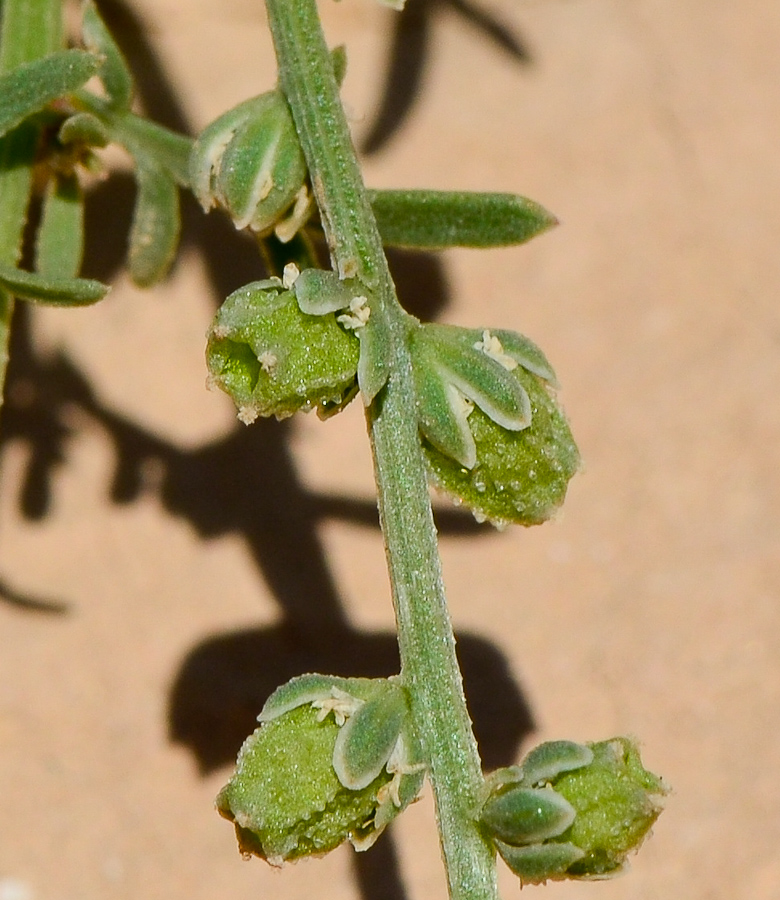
<point>617,801</point>
<point>273,359</point>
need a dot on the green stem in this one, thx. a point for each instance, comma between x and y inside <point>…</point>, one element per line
<point>30,29</point>
<point>426,641</point>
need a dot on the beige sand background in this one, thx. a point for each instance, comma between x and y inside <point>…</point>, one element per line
<point>175,549</point>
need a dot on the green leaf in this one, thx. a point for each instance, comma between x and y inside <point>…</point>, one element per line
<point>84,128</point>
<point>431,220</point>
<point>480,377</point>
<point>31,86</point>
<point>304,689</point>
<point>51,291</point>
<point>443,413</point>
<point>169,149</point>
<point>154,234</point>
<point>375,361</point>
<point>552,758</point>
<point>538,863</point>
<point>114,71</point>
<point>142,138</point>
<point>60,239</point>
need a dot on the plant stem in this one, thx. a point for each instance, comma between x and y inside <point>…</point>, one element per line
<point>426,641</point>
<point>30,29</point>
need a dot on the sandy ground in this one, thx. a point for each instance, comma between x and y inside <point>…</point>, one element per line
<point>155,553</point>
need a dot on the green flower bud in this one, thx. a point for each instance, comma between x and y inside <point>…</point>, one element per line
<point>494,436</point>
<point>571,811</point>
<point>249,162</point>
<point>273,359</point>
<point>617,801</point>
<point>288,797</point>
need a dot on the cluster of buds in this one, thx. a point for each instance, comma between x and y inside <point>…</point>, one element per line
<point>494,435</point>
<point>492,432</point>
<point>571,810</point>
<point>334,759</point>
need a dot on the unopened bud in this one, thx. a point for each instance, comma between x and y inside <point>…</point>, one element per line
<point>572,810</point>
<point>249,162</point>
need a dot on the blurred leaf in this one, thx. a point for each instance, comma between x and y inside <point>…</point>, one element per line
<point>29,87</point>
<point>84,128</point>
<point>169,149</point>
<point>60,239</point>
<point>430,220</point>
<point>51,291</point>
<point>156,224</point>
<point>114,72</point>
<point>142,137</point>
<point>338,56</point>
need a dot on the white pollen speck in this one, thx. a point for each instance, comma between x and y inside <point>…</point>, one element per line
<point>247,414</point>
<point>491,346</point>
<point>221,331</point>
<point>290,275</point>
<point>358,315</point>
<point>268,361</point>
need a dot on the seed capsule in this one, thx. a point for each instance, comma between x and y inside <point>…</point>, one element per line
<point>273,359</point>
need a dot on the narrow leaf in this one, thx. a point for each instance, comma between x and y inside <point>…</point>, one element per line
<point>154,234</point>
<point>430,220</point>
<point>29,87</point>
<point>51,291</point>
<point>114,72</point>
<point>60,239</point>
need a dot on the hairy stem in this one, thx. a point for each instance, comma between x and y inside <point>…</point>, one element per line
<point>30,29</point>
<point>426,641</point>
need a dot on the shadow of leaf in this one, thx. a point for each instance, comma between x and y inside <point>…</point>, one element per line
<point>224,681</point>
<point>410,50</point>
